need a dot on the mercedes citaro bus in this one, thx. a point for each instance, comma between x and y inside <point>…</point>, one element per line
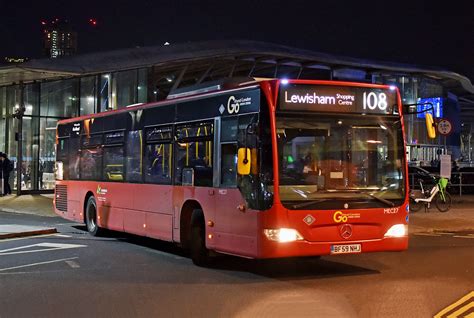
<point>254,168</point>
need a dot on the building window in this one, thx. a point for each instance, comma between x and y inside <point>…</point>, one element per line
<point>105,92</point>
<point>88,100</point>
<point>125,89</point>
<point>60,98</point>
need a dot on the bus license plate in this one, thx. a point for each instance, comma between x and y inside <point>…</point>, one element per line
<point>346,249</point>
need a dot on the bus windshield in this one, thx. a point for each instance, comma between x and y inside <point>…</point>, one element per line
<point>340,161</point>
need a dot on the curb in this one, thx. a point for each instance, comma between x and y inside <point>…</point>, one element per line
<point>28,233</point>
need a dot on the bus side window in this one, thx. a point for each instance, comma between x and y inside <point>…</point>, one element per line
<point>62,155</point>
<point>194,149</point>
<point>158,163</point>
<point>134,156</point>
<point>113,163</point>
<point>74,158</point>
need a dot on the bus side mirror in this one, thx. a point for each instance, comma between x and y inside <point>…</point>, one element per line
<point>244,161</point>
<point>430,126</point>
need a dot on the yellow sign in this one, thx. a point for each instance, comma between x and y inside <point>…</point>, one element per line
<point>339,216</point>
<point>464,307</point>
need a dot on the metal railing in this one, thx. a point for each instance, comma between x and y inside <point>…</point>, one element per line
<point>462,182</point>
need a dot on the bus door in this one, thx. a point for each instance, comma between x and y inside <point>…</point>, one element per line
<point>194,169</point>
<point>235,225</point>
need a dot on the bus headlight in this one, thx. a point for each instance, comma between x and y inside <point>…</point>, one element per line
<point>397,230</point>
<point>282,235</point>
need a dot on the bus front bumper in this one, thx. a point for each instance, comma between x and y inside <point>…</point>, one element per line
<point>273,249</point>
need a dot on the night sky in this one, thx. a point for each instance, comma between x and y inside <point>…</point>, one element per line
<point>415,32</point>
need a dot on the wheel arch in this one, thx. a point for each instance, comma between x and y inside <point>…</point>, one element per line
<point>84,206</point>
<point>185,221</point>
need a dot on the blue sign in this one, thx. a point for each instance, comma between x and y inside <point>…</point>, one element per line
<point>437,103</point>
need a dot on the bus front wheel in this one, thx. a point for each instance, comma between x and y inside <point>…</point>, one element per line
<point>197,245</point>
<point>91,217</point>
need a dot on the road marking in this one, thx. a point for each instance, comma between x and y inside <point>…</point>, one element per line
<point>62,235</point>
<point>449,234</point>
<point>36,264</point>
<point>464,307</point>
<point>49,247</point>
<point>73,264</point>
<point>427,234</point>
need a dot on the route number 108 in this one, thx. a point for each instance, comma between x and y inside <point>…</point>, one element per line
<point>373,101</point>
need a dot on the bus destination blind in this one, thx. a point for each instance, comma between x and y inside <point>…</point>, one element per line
<point>338,99</point>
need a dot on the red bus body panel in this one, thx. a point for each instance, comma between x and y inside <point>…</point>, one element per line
<point>154,211</point>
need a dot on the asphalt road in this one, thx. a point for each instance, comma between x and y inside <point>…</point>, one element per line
<point>72,274</point>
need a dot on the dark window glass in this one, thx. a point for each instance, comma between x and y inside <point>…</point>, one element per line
<point>59,98</point>
<point>229,129</point>
<point>229,165</point>
<point>158,163</point>
<point>125,88</point>
<point>194,130</point>
<point>196,155</point>
<point>158,133</point>
<point>114,138</point>
<point>91,163</point>
<point>62,150</point>
<point>134,145</point>
<point>113,163</point>
<point>88,99</point>
<point>91,140</point>
<point>74,158</point>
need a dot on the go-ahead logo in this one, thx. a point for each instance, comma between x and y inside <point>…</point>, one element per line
<point>233,105</point>
<point>100,190</point>
<point>340,217</point>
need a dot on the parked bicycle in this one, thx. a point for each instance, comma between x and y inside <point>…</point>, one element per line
<point>442,198</point>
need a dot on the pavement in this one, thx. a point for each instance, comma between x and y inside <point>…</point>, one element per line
<point>459,218</point>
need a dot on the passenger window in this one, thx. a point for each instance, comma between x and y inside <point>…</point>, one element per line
<point>196,155</point>
<point>91,163</point>
<point>158,163</point>
<point>113,163</point>
<point>62,150</point>
<point>194,149</point>
<point>74,158</point>
<point>134,156</point>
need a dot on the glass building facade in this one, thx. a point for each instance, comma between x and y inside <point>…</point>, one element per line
<point>47,102</point>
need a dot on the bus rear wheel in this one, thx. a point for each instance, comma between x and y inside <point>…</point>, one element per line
<point>91,217</point>
<point>197,245</point>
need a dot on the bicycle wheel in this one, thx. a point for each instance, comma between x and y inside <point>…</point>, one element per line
<point>415,206</point>
<point>443,205</point>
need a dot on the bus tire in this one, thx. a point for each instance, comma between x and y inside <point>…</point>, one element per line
<point>197,245</point>
<point>91,217</point>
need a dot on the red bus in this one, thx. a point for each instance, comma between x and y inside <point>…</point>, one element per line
<point>258,169</point>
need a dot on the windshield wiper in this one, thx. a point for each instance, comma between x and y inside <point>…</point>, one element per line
<point>387,202</point>
<point>308,203</point>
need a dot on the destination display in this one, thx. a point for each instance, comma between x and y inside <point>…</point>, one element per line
<point>337,99</point>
